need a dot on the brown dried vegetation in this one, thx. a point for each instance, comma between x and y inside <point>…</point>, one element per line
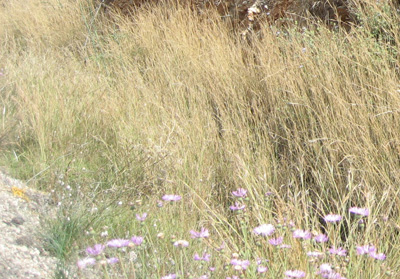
<point>249,15</point>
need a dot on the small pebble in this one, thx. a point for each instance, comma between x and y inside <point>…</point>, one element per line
<point>17,220</point>
<point>24,241</point>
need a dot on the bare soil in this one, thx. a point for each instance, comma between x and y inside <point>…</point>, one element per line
<point>22,253</point>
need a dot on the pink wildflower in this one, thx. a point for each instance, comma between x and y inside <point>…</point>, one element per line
<point>240,264</point>
<point>169,276</point>
<point>237,206</point>
<point>205,257</point>
<point>321,238</point>
<point>295,274</point>
<point>366,249</point>
<point>137,240</point>
<point>95,250</point>
<point>302,234</point>
<point>141,217</point>
<point>377,256</point>
<point>264,230</point>
<point>315,254</point>
<point>112,260</point>
<point>118,243</point>
<point>338,251</point>
<point>82,264</point>
<point>276,241</point>
<point>181,243</point>
<point>240,193</point>
<point>203,233</point>
<point>359,211</point>
<point>262,269</point>
<point>171,198</point>
<point>332,218</point>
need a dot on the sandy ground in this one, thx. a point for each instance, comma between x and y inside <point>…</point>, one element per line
<point>21,248</point>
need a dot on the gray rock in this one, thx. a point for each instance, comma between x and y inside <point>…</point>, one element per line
<point>18,220</point>
<point>25,241</point>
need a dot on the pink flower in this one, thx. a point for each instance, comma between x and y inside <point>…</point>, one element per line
<point>82,264</point>
<point>366,249</point>
<point>181,243</point>
<point>169,276</point>
<point>325,268</point>
<point>96,250</point>
<point>332,218</point>
<point>321,238</point>
<point>240,193</point>
<point>221,247</point>
<point>326,271</point>
<point>376,256</point>
<point>332,275</point>
<point>295,274</point>
<point>137,240</point>
<point>237,206</point>
<point>118,243</point>
<point>359,211</point>
<point>240,264</point>
<point>371,251</point>
<point>264,230</point>
<point>315,254</point>
<point>262,269</point>
<point>205,257</point>
<point>338,251</point>
<point>202,234</point>
<point>276,241</point>
<point>142,217</point>
<point>302,234</point>
<point>112,260</point>
<point>171,198</point>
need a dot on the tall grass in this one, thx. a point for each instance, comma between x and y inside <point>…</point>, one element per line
<point>121,111</point>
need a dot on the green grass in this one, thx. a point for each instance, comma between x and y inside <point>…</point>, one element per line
<point>110,115</point>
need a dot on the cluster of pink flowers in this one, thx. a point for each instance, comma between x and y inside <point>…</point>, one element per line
<point>371,251</point>
<point>326,271</point>
<point>237,206</point>
<point>119,243</point>
<point>239,193</point>
<point>339,251</point>
<point>302,234</point>
<point>98,249</point>
<point>205,257</point>
<point>203,233</point>
<point>295,274</point>
<point>181,243</point>
<point>240,266</point>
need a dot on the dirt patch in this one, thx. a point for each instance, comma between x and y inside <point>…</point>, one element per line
<point>21,248</point>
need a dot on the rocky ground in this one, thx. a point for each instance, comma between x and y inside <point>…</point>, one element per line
<point>21,249</point>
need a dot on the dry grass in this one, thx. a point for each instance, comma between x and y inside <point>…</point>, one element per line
<point>168,102</point>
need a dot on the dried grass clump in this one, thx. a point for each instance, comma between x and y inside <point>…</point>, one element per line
<point>249,15</point>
